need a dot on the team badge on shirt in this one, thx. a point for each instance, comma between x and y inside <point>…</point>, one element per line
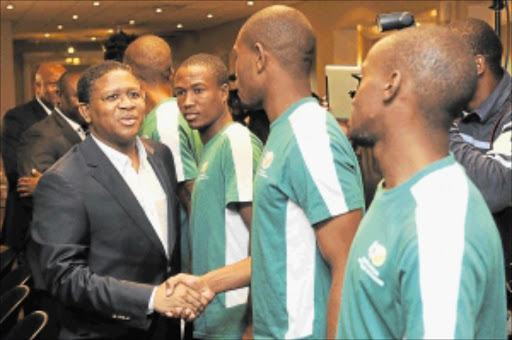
<point>266,161</point>
<point>377,254</point>
<point>376,258</point>
<point>202,172</point>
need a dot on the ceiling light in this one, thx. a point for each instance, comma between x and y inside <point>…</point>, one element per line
<point>111,30</point>
<point>75,17</point>
<point>93,38</point>
<point>250,3</point>
<point>71,50</point>
<point>47,35</point>
<point>59,27</point>
<point>69,60</point>
<point>132,22</point>
<point>96,3</point>
<point>158,10</point>
<point>433,13</point>
<point>76,61</point>
<point>179,25</point>
<point>9,6</point>
<point>209,16</point>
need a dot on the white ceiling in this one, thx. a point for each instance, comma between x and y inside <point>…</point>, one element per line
<point>31,20</point>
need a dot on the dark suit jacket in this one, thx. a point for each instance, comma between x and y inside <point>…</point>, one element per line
<point>14,123</point>
<point>40,146</point>
<point>44,143</point>
<point>97,251</point>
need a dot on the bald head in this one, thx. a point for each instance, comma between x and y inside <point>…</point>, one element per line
<point>46,83</point>
<point>150,59</point>
<point>437,65</point>
<point>286,33</point>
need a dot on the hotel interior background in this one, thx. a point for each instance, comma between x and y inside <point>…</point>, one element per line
<point>72,32</point>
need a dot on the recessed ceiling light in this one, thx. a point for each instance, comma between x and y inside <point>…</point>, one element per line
<point>71,50</point>
<point>132,22</point>
<point>179,25</point>
<point>75,17</point>
<point>9,6</point>
<point>158,10</point>
<point>47,35</point>
<point>209,16</point>
<point>93,38</point>
<point>96,3</point>
<point>250,3</point>
<point>59,27</point>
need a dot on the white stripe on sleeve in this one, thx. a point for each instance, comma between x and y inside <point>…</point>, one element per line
<point>241,148</point>
<point>310,127</point>
<point>441,199</point>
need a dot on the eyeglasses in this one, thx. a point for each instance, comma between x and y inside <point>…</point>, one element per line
<point>116,97</point>
<point>352,93</point>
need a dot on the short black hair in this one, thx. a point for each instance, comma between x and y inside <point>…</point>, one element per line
<point>287,33</point>
<point>482,40</point>
<point>61,84</point>
<point>440,67</point>
<point>211,62</point>
<point>116,44</point>
<point>93,73</point>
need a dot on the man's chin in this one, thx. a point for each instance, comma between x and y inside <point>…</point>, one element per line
<point>362,139</point>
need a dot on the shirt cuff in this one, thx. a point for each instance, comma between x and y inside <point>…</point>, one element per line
<point>151,300</point>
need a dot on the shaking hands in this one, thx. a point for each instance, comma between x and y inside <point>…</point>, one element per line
<point>185,296</point>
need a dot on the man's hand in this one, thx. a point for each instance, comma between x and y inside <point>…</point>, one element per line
<point>183,302</point>
<point>196,283</point>
<point>27,185</point>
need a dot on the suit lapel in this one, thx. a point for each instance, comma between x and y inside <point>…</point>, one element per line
<point>159,168</point>
<point>67,131</point>
<point>104,172</point>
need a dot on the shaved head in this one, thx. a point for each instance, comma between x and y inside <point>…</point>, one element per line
<point>46,79</point>
<point>212,63</point>
<point>150,59</point>
<point>286,33</point>
<point>439,66</point>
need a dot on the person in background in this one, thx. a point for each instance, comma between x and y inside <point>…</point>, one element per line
<point>150,59</point>
<point>14,123</point>
<point>308,195</point>
<point>116,44</point>
<point>105,224</point>
<point>426,262</point>
<point>482,139</point>
<point>221,211</point>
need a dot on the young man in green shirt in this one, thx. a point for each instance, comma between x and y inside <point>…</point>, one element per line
<point>150,59</point>
<point>426,262</point>
<point>221,209</point>
<point>308,195</point>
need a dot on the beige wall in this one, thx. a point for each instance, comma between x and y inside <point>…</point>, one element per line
<point>339,40</point>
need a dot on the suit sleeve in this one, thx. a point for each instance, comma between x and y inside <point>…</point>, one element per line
<point>61,238</point>
<point>11,129</point>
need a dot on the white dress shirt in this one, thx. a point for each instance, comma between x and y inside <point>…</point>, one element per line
<point>48,111</point>
<point>146,188</point>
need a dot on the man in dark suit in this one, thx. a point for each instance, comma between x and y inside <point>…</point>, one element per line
<point>14,123</point>
<point>40,147</point>
<point>105,221</point>
<point>48,140</point>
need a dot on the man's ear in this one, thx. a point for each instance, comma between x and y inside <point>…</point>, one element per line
<point>480,64</point>
<point>83,108</point>
<point>261,59</point>
<point>224,92</point>
<point>392,85</point>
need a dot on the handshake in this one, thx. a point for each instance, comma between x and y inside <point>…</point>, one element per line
<point>184,296</point>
